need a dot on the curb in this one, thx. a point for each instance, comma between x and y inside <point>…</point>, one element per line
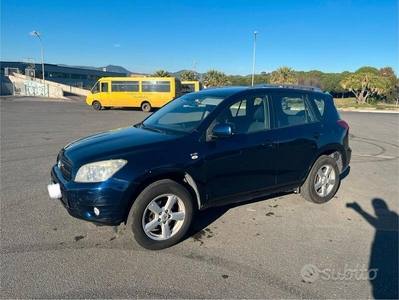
<point>370,111</point>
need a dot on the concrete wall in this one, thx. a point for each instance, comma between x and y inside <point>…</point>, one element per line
<point>25,86</point>
<point>28,86</point>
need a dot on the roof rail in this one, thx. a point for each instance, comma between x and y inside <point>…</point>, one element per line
<point>288,86</point>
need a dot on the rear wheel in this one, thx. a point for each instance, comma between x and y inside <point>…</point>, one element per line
<point>145,106</point>
<point>161,215</point>
<point>96,105</point>
<point>322,182</point>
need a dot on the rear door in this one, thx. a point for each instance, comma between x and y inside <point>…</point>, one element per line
<point>299,133</point>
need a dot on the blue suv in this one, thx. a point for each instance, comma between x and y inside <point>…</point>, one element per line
<point>204,149</point>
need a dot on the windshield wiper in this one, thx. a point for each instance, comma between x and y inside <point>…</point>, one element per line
<point>152,129</point>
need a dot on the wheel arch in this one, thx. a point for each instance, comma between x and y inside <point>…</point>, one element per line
<point>94,100</point>
<point>180,177</point>
<point>335,151</point>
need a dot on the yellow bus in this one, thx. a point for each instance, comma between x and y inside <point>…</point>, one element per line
<point>144,92</point>
<point>190,86</point>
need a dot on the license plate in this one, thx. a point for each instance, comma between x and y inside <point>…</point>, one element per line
<point>54,190</point>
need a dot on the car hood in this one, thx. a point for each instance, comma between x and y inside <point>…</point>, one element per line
<point>113,144</point>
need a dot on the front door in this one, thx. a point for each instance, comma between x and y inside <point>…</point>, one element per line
<point>105,94</point>
<point>245,161</point>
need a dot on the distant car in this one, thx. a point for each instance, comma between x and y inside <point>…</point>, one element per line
<point>204,149</point>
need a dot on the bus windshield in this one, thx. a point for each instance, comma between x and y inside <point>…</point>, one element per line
<point>95,88</point>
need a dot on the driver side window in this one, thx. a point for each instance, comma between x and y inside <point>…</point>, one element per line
<point>246,115</point>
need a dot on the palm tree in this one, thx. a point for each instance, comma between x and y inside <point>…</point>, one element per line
<point>161,73</point>
<point>283,75</point>
<point>215,78</point>
<point>188,75</point>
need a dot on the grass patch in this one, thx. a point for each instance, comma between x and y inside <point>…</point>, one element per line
<point>351,103</point>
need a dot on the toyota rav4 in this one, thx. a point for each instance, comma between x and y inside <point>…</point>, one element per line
<point>204,149</point>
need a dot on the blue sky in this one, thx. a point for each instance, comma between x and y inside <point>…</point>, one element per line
<point>147,35</point>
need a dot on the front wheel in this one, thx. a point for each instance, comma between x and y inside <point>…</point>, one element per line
<point>96,105</point>
<point>161,215</point>
<point>322,182</point>
<point>145,106</point>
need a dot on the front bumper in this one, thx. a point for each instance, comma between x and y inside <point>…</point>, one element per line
<point>102,203</point>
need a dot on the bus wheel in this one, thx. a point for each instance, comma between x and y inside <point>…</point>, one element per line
<point>96,105</point>
<point>145,106</point>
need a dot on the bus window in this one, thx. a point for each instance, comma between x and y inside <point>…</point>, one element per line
<point>190,86</point>
<point>156,86</point>
<point>125,86</point>
<point>104,86</point>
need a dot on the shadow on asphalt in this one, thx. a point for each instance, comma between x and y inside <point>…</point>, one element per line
<point>204,218</point>
<point>383,266</point>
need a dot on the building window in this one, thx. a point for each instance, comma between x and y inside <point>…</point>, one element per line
<point>78,76</point>
<point>58,75</point>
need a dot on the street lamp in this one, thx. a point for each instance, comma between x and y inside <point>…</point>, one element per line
<point>41,45</point>
<point>253,60</point>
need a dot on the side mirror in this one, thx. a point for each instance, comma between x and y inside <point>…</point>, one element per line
<point>222,131</point>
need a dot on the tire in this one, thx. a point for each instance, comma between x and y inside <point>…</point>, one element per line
<point>322,182</point>
<point>96,105</point>
<point>166,208</point>
<point>145,106</point>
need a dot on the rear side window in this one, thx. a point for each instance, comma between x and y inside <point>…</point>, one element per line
<point>292,109</point>
<point>320,102</point>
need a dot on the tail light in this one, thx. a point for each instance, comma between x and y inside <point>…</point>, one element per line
<point>343,124</point>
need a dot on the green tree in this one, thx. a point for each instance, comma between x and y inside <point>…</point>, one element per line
<point>161,73</point>
<point>314,81</point>
<point>215,78</point>
<point>364,85</point>
<point>188,75</point>
<point>393,94</point>
<point>283,75</point>
<point>263,77</point>
<point>371,70</point>
<point>237,80</point>
<point>331,82</point>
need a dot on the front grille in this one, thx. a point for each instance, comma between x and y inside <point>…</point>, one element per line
<point>65,167</point>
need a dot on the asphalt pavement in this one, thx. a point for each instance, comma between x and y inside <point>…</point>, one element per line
<point>279,247</point>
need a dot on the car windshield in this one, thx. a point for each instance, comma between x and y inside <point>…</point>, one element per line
<point>183,114</point>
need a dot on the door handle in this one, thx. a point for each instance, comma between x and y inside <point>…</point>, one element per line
<point>268,143</point>
<point>317,135</point>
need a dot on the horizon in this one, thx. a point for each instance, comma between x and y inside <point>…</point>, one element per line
<point>146,37</point>
<point>202,73</point>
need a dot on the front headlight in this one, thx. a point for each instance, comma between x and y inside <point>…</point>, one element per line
<point>99,171</point>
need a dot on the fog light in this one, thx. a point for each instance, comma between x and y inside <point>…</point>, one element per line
<point>96,211</point>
